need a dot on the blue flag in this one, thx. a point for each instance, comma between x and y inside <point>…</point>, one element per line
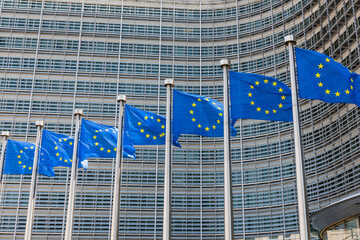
<point>321,77</point>
<point>145,128</point>
<point>259,97</point>
<point>58,149</point>
<point>19,159</point>
<point>199,115</point>
<point>98,140</point>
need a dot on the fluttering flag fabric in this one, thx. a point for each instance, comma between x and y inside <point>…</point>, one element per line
<point>58,149</point>
<point>259,97</point>
<point>321,77</point>
<point>145,128</point>
<point>199,115</point>
<point>98,140</point>
<point>19,159</point>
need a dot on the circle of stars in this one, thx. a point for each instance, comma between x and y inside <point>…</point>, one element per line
<point>20,162</point>
<point>258,108</point>
<point>147,135</point>
<point>97,144</point>
<point>321,84</point>
<point>57,154</point>
<point>218,120</point>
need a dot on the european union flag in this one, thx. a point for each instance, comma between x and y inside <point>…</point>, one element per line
<point>19,159</point>
<point>98,140</point>
<point>195,114</point>
<point>58,148</point>
<point>321,77</point>
<point>145,128</point>
<point>259,97</point>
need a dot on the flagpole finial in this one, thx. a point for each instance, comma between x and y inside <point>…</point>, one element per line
<point>169,81</point>
<point>121,98</point>
<point>289,39</point>
<point>225,62</point>
<point>5,134</point>
<point>79,111</point>
<point>40,123</point>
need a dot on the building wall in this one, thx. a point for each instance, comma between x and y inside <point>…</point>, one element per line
<point>56,56</point>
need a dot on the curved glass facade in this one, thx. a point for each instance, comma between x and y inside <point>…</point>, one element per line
<point>56,56</point>
<point>346,229</point>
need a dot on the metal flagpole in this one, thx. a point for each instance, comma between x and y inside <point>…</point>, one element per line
<point>5,135</point>
<point>169,83</point>
<point>228,203</point>
<point>118,166</point>
<point>32,195</point>
<point>299,158</point>
<point>72,192</point>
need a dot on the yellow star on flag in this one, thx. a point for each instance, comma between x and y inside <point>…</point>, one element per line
<point>327,91</point>
<point>258,109</point>
<point>320,66</point>
<point>337,94</point>
<point>318,75</point>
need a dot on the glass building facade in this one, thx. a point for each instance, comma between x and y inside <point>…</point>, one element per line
<point>56,56</point>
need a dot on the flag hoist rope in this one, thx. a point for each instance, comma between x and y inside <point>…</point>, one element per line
<point>299,158</point>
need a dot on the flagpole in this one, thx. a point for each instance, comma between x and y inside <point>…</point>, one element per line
<point>121,99</point>
<point>72,192</point>
<point>5,135</point>
<point>228,203</point>
<point>299,158</point>
<point>32,195</point>
<point>169,83</point>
